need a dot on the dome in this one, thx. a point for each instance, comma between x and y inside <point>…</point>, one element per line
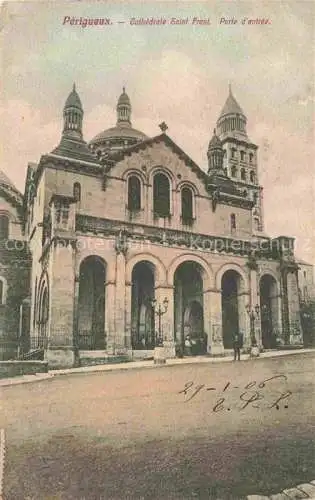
<point>73,100</point>
<point>123,134</point>
<point>123,98</point>
<point>116,132</point>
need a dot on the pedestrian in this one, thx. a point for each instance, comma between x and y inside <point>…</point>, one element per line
<point>188,345</point>
<point>237,344</point>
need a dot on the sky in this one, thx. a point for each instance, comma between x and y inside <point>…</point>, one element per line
<point>177,73</point>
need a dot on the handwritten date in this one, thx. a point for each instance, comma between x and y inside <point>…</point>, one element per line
<point>250,395</point>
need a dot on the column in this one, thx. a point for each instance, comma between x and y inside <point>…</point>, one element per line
<point>178,313</point>
<point>276,315</point>
<point>110,317</point>
<point>296,337</point>
<point>243,318</point>
<point>213,325</point>
<point>60,352</point>
<point>76,317</point>
<point>167,319</point>
<point>253,302</point>
<point>128,321</point>
<point>120,344</point>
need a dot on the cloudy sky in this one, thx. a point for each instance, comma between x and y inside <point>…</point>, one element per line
<point>175,73</point>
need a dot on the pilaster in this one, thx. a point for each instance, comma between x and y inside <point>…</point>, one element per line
<point>244,320</point>
<point>120,342</point>
<point>213,321</point>
<point>60,352</point>
<point>110,317</point>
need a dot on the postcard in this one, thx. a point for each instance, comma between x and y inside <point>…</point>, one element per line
<point>157,294</point>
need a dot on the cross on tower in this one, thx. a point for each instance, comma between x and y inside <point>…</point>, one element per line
<point>163,127</point>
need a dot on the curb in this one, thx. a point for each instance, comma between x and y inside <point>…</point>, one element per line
<point>304,490</point>
<point>141,365</point>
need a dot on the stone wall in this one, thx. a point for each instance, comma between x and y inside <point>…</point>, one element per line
<point>15,368</point>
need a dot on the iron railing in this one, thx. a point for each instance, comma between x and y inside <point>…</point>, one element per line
<point>90,341</point>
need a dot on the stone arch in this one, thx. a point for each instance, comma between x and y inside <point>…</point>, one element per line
<point>231,267</point>
<point>43,302</point>
<point>190,257</point>
<point>160,276</point>
<point>133,171</point>
<point>161,169</point>
<point>272,273</point>
<point>87,252</point>
<point>188,184</point>
<point>91,300</point>
<point>270,308</point>
<point>191,303</point>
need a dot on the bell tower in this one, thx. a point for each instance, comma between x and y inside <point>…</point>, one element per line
<point>240,156</point>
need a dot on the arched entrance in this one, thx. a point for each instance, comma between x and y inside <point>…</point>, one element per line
<point>231,286</point>
<point>91,310</point>
<point>142,313</point>
<point>40,340</point>
<point>188,306</point>
<point>268,311</point>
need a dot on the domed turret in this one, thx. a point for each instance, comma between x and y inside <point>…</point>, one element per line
<point>123,110</point>
<point>72,144</point>
<point>121,136</point>
<point>73,115</point>
<point>215,154</point>
<point>232,120</point>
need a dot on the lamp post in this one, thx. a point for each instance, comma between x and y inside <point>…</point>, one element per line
<point>159,310</point>
<point>253,314</point>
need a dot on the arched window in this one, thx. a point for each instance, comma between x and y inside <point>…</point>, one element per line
<point>233,222</point>
<point>243,174</point>
<point>4,227</point>
<point>256,224</point>
<point>161,196</point>
<point>252,176</point>
<point>134,193</point>
<point>251,156</point>
<point>187,204</point>
<point>233,171</point>
<point>77,191</point>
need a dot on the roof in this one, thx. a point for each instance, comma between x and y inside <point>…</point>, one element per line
<point>231,106</point>
<point>215,141</point>
<point>73,99</point>
<point>124,98</point>
<point>119,132</point>
<point>74,148</point>
<point>4,179</point>
<point>304,263</point>
<point>119,155</point>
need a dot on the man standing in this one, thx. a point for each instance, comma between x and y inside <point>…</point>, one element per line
<point>237,344</point>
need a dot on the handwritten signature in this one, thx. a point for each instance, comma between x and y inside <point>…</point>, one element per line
<point>250,394</point>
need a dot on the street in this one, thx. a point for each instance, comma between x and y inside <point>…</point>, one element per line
<point>209,430</point>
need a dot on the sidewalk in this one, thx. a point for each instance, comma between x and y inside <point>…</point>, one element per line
<point>26,379</point>
<point>305,490</point>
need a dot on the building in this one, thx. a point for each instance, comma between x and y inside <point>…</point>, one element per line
<point>15,266</point>
<point>130,241</point>
<point>307,301</point>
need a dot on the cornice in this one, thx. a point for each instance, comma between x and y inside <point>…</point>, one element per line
<point>176,238</point>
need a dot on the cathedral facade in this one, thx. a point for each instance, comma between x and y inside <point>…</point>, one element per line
<point>132,245</point>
